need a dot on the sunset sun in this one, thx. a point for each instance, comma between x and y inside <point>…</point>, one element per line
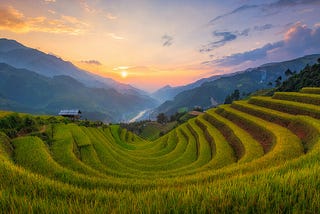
<point>124,74</point>
<point>160,106</point>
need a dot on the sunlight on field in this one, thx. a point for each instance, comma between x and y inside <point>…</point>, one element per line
<point>231,158</point>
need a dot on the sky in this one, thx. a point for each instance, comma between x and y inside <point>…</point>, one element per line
<point>153,43</point>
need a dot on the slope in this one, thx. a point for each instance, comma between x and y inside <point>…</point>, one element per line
<point>20,56</point>
<point>245,157</point>
<point>27,91</point>
<point>245,81</point>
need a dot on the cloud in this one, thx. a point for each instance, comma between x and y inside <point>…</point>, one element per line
<point>301,38</point>
<point>121,68</point>
<point>263,27</point>
<point>12,19</point>
<point>227,36</point>
<point>166,40</point>
<point>298,40</point>
<point>237,10</point>
<point>91,62</point>
<point>52,11</point>
<point>15,21</point>
<point>111,17</point>
<point>252,55</point>
<point>245,32</point>
<point>290,3</point>
<point>86,7</point>
<point>265,7</point>
<point>114,36</point>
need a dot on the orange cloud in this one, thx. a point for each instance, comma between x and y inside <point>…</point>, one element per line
<point>13,20</point>
<point>114,36</point>
<point>111,17</point>
<point>85,6</point>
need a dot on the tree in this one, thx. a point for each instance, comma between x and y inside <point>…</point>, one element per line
<point>198,108</point>
<point>162,118</point>
<point>233,96</point>
<point>29,125</point>
<point>278,81</point>
<point>308,77</point>
<point>228,100</point>
<point>176,116</point>
<point>236,94</point>
<point>288,73</point>
<point>318,60</point>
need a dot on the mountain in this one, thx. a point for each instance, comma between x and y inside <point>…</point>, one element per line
<point>27,91</point>
<point>308,77</point>
<point>20,56</point>
<point>245,81</point>
<point>168,93</point>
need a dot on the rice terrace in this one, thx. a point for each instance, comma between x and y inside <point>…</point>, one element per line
<point>159,106</point>
<point>257,156</point>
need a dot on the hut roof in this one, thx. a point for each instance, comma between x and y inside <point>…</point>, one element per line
<point>71,112</point>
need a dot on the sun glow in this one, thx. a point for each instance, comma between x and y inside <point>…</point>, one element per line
<point>124,74</point>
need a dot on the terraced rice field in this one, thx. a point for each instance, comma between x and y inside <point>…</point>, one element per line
<point>255,156</point>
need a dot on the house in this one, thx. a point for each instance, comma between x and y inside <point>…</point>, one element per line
<point>74,114</point>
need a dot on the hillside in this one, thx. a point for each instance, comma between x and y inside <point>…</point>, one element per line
<point>261,156</point>
<point>308,77</point>
<point>168,93</point>
<point>20,56</point>
<point>26,91</point>
<point>246,81</point>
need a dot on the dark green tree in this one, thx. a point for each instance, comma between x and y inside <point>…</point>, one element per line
<point>236,94</point>
<point>198,108</point>
<point>308,77</point>
<point>278,81</point>
<point>233,96</point>
<point>162,118</point>
<point>288,73</point>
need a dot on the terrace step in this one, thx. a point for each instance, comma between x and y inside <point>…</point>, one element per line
<point>281,142</point>
<point>63,151</point>
<point>313,99</point>
<point>289,107</point>
<point>292,122</point>
<point>310,90</point>
<point>245,146</point>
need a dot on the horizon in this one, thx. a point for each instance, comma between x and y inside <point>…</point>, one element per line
<point>151,47</point>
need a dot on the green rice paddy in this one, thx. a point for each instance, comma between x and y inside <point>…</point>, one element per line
<point>261,155</point>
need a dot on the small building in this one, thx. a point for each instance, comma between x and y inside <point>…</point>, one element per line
<point>74,114</point>
<point>195,113</point>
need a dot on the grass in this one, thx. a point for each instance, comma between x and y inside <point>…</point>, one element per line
<point>5,113</point>
<point>256,156</point>
<point>298,97</point>
<point>290,107</point>
<point>310,90</point>
<point>152,130</point>
<point>246,148</point>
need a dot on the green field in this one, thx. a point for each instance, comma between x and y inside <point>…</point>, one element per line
<point>261,155</point>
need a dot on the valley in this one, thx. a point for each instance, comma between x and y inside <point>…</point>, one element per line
<point>159,106</point>
<point>234,157</point>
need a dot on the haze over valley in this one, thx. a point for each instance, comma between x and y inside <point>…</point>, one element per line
<point>159,106</point>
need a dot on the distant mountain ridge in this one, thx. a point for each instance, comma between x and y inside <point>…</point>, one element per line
<point>168,93</point>
<point>20,56</point>
<point>42,93</point>
<point>246,81</point>
<point>26,91</point>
